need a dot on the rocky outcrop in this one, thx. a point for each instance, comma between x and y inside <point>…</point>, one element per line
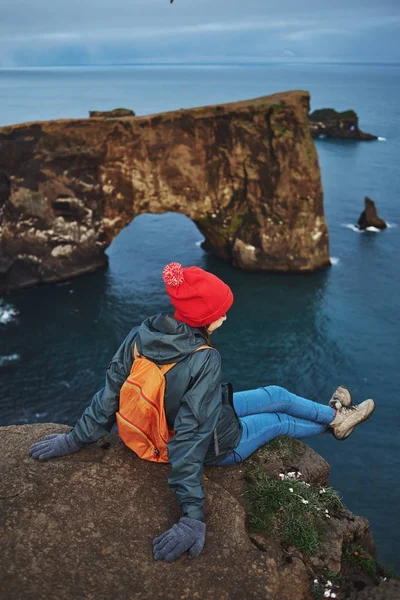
<point>327,122</point>
<point>369,216</point>
<point>81,527</point>
<point>246,173</point>
<point>116,113</point>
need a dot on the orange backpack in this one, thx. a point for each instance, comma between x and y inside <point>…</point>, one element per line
<point>142,424</point>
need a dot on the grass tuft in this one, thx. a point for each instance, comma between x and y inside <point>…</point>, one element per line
<point>357,556</point>
<point>286,447</point>
<point>297,517</point>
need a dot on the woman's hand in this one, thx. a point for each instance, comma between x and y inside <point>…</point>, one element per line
<point>188,534</point>
<point>54,445</point>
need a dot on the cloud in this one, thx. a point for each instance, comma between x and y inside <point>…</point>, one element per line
<point>155,30</point>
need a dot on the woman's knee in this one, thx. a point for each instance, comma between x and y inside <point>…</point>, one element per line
<point>278,394</point>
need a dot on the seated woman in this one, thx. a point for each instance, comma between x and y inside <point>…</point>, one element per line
<point>209,424</point>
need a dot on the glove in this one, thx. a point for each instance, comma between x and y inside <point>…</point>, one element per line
<point>188,534</point>
<point>53,445</point>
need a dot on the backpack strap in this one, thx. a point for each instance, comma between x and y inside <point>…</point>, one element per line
<point>203,348</point>
<point>165,368</point>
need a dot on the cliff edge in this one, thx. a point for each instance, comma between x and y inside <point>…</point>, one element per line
<point>246,173</point>
<point>82,527</point>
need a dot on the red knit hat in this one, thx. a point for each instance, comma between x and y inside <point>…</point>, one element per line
<point>199,297</point>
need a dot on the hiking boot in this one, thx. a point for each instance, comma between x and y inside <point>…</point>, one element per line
<point>348,417</point>
<point>340,397</point>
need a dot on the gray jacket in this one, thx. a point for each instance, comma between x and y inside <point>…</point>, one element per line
<point>197,405</point>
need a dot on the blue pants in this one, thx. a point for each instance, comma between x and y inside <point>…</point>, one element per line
<point>267,412</point>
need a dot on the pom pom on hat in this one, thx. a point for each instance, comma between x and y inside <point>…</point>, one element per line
<point>173,274</point>
<point>199,297</point>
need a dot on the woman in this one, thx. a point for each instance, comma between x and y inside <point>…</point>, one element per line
<point>211,425</point>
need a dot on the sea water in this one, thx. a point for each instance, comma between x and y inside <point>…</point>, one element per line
<point>308,333</point>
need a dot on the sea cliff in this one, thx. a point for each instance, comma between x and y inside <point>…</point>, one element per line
<point>246,173</point>
<point>81,527</point>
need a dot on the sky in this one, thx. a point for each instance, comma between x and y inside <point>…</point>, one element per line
<point>76,32</point>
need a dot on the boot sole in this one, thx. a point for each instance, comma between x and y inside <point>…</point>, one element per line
<point>348,433</point>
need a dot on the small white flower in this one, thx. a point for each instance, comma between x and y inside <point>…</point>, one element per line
<point>281,476</point>
<point>304,501</point>
<point>290,489</point>
<point>326,510</point>
<point>333,595</point>
<point>322,491</point>
<point>315,581</point>
<point>327,594</point>
<point>328,583</point>
<point>328,516</point>
<point>308,484</point>
<point>298,473</point>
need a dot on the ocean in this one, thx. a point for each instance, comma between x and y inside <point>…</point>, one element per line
<point>309,333</point>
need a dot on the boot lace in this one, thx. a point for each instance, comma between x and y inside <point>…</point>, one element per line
<point>348,409</point>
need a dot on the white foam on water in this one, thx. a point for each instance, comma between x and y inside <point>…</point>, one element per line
<point>374,229</point>
<point>352,227</point>
<point>7,313</point>
<point>199,243</point>
<point>391,225</point>
<point>381,139</point>
<point>4,360</point>
<point>334,261</point>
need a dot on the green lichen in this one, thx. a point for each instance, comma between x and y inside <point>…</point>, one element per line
<point>330,114</point>
<point>281,130</point>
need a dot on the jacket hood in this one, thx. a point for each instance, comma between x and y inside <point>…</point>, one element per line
<point>165,340</point>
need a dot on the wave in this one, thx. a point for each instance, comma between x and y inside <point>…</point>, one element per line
<point>7,313</point>
<point>199,243</point>
<point>4,360</point>
<point>391,225</point>
<point>334,261</point>
<point>358,230</point>
<point>381,139</point>
<point>352,227</point>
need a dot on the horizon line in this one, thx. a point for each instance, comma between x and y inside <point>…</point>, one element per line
<point>203,63</point>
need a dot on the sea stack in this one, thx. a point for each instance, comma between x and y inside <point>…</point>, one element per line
<point>369,216</point>
<point>328,123</point>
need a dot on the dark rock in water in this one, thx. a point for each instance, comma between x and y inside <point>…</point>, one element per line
<point>369,216</point>
<point>117,113</point>
<point>328,123</point>
<point>246,173</point>
<point>82,526</point>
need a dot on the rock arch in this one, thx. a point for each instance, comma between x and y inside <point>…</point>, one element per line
<point>246,173</point>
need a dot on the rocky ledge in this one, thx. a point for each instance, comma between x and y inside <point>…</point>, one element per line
<point>246,173</point>
<point>82,526</point>
<point>327,122</point>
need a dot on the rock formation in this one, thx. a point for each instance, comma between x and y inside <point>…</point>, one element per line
<point>369,216</point>
<point>327,122</point>
<point>112,114</point>
<point>82,526</point>
<point>246,173</point>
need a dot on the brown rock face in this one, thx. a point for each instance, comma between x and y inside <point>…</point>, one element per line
<point>369,216</point>
<point>82,526</point>
<point>246,173</point>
